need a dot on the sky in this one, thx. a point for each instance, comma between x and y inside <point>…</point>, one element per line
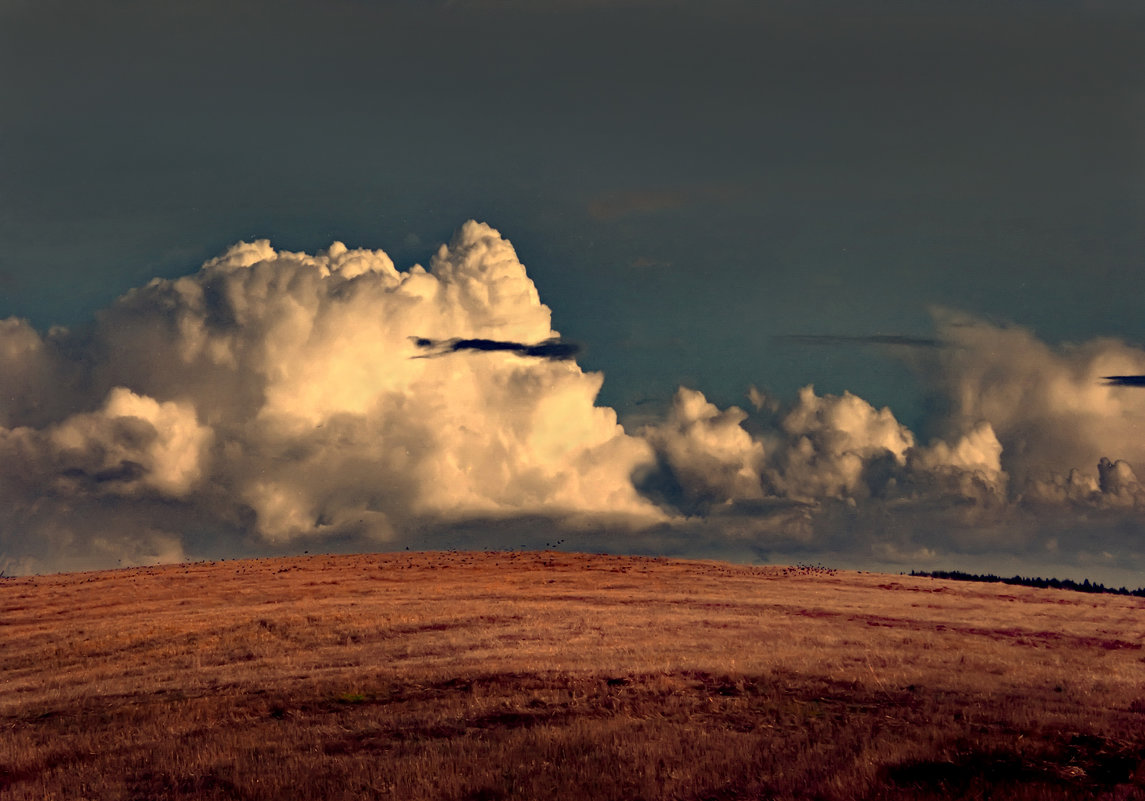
<point>827,281</point>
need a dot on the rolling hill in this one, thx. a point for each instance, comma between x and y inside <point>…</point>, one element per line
<point>551,675</point>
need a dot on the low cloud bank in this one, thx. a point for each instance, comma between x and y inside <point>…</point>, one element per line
<point>275,401</point>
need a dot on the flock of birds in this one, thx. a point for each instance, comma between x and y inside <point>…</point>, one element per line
<point>802,569</point>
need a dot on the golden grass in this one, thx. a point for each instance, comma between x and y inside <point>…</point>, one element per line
<point>562,676</point>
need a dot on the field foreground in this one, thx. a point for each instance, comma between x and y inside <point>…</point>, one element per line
<point>562,676</point>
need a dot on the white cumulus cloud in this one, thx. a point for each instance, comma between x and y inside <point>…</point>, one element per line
<point>707,453</point>
<point>277,395</point>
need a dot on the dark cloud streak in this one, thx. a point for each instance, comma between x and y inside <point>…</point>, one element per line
<point>1124,380</point>
<point>554,349</point>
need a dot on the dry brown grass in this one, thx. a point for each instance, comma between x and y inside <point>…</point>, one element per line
<point>560,676</point>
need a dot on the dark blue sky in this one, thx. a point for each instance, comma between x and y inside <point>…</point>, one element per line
<point>685,181</point>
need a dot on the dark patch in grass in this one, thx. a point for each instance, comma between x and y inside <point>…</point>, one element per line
<point>1080,767</point>
<point>159,786</point>
<point>12,776</point>
<point>512,719</point>
<point>966,771</point>
<point>485,794</point>
<point>1105,761</point>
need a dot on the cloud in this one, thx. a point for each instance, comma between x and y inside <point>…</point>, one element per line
<point>132,444</point>
<point>276,400</point>
<point>1124,380</point>
<point>554,348</point>
<point>1031,448</point>
<point>705,457</point>
<point>836,445</point>
<point>1047,405</point>
<point>274,396</point>
<point>810,454</point>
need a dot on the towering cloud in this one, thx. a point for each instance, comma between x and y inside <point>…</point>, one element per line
<point>278,396</point>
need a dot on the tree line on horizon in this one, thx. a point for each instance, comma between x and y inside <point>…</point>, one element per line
<point>1039,582</point>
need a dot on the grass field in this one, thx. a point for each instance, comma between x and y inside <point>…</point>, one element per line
<point>562,676</point>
